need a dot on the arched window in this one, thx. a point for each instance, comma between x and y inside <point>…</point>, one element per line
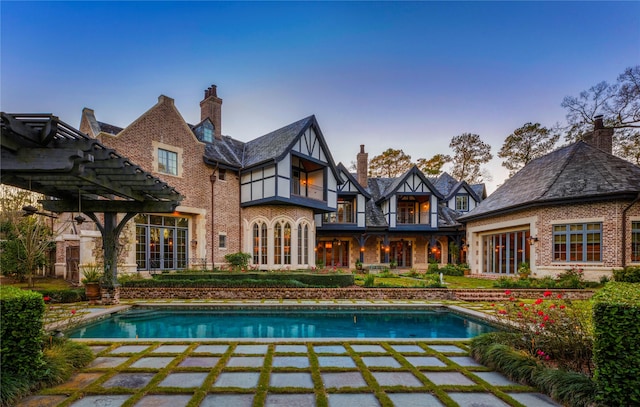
<point>259,234</point>
<point>277,244</point>
<point>264,244</point>
<point>287,243</point>
<point>303,244</point>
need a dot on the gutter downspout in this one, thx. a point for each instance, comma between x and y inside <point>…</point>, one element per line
<point>624,230</point>
<point>213,224</point>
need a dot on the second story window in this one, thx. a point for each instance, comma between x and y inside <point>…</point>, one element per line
<point>462,203</point>
<point>412,210</point>
<point>345,212</point>
<point>167,162</point>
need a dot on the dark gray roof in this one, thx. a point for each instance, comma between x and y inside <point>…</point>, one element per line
<point>352,177</point>
<point>374,216</point>
<point>109,128</point>
<point>447,217</point>
<point>480,190</point>
<point>445,183</point>
<point>226,151</point>
<point>578,172</point>
<point>273,145</point>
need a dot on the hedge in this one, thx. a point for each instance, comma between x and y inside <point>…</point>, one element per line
<point>223,279</point>
<point>21,333</point>
<point>65,296</point>
<point>616,352</point>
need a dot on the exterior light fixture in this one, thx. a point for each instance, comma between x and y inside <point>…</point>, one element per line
<point>532,240</point>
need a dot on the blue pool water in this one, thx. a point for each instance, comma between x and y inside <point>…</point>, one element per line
<point>282,323</point>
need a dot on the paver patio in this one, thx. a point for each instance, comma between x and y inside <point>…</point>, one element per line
<point>350,373</point>
<point>280,373</point>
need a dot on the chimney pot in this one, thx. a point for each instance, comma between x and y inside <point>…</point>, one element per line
<point>598,122</point>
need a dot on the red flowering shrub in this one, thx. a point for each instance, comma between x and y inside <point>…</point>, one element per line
<point>553,330</point>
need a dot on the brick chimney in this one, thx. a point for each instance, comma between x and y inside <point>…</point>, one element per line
<point>211,107</point>
<point>362,166</point>
<point>601,137</point>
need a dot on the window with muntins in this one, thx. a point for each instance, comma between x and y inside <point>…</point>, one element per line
<point>635,242</point>
<point>161,242</point>
<point>222,241</point>
<point>462,203</point>
<point>504,252</point>
<point>577,242</point>
<point>410,210</point>
<point>167,162</point>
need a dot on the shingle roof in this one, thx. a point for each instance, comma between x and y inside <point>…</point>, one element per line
<point>445,183</point>
<point>226,151</point>
<point>575,172</point>
<point>108,128</point>
<point>274,144</point>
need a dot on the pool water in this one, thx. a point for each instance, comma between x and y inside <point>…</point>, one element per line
<point>282,323</point>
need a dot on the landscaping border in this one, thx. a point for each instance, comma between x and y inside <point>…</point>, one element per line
<point>357,293</point>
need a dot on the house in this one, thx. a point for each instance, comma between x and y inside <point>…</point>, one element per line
<point>577,207</point>
<point>279,197</point>
<point>410,220</point>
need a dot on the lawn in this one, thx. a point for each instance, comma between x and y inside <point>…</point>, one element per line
<point>40,283</point>
<point>453,282</point>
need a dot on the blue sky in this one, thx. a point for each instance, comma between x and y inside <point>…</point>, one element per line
<point>403,75</point>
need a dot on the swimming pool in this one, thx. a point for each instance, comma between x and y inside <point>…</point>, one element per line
<point>144,322</point>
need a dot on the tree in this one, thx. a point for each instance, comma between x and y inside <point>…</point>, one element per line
<point>25,239</point>
<point>525,144</point>
<point>433,166</point>
<point>618,103</point>
<point>469,153</point>
<point>391,163</point>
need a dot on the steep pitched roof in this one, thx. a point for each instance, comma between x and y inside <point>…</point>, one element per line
<point>462,185</point>
<point>578,172</point>
<point>392,187</point>
<point>445,183</point>
<point>227,152</point>
<point>342,169</point>
<point>275,144</point>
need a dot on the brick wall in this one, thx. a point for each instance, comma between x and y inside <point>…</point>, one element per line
<point>541,220</point>
<point>438,294</point>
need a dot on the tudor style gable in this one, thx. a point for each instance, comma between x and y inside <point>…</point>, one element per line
<point>462,198</point>
<point>351,205</point>
<point>290,166</point>
<point>411,202</point>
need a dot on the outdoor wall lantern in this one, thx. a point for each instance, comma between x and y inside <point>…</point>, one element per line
<point>532,240</point>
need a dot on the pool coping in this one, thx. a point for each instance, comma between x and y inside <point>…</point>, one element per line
<point>103,313</point>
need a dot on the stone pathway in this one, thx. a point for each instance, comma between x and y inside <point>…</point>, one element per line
<point>335,374</point>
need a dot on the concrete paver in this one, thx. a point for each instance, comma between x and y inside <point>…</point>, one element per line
<point>199,361</point>
<point>245,361</point>
<point>244,380</point>
<point>368,348</point>
<point>353,400</point>
<point>534,399</point>
<point>102,401</point>
<point>380,361</point>
<point>184,380</point>
<point>129,380</point>
<point>406,379</point>
<point>414,400</point>
<point>290,400</point>
<point>425,361</point>
<point>336,361</point>
<point>447,349</point>
<point>164,400</point>
<point>477,400</point>
<point>152,362</point>
<point>290,361</point>
<point>341,380</point>
<point>408,348</point>
<point>444,378</point>
<point>170,349</point>
<point>215,349</point>
<point>302,380</point>
<point>230,400</point>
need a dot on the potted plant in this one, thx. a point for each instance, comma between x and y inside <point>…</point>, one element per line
<point>91,279</point>
<point>358,265</point>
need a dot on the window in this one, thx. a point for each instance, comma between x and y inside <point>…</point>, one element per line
<point>222,241</point>
<point>204,132</point>
<point>161,242</point>
<point>413,210</point>
<point>167,162</point>
<point>282,243</point>
<point>462,203</point>
<point>344,214</point>
<point>503,252</point>
<point>222,174</point>
<point>635,242</point>
<point>260,243</point>
<point>577,242</point>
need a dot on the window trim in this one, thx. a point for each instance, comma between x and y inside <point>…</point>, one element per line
<point>635,241</point>
<point>222,241</point>
<point>566,241</point>
<point>157,146</point>
<point>465,201</point>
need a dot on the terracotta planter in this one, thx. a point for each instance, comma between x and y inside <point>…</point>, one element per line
<point>92,291</point>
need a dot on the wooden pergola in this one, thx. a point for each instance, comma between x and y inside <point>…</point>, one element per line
<point>77,173</point>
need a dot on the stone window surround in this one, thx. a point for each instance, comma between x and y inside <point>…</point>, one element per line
<point>156,145</point>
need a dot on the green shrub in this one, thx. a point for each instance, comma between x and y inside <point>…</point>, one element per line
<point>433,267</point>
<point>616,313</point>
<point>551,328</point>
<point>628,274</point>
<point>452,270</point>
<point>21,332</point>
<point>496,350</point>
<point>310,279</point>
<point>238,260</point>
<point>386,273</point>
<point>65,296</point>
<point>63,357</point>
<point>370,280</point>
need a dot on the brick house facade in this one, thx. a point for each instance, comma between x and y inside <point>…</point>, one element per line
<point>274,197</point>
<point>575,208</point>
